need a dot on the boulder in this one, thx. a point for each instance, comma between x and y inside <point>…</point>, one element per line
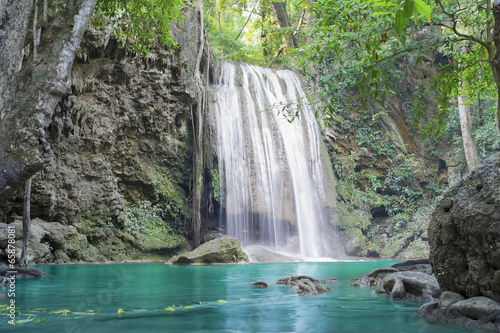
<point>374,278</point>
<point>411,285</point>
<point>306,287</point>
<point>416,265</point>
<point>260,284</point>
<point>223,250</point>
<point>475,312</point>
<point>464,234</point>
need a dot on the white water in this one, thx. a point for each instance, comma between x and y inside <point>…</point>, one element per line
<point>277,193</point>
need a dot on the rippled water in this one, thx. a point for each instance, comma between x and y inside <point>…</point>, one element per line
<point>208,299</point>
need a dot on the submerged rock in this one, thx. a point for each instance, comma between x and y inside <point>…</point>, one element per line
<point>260,284</point>
<point>475,312</point>
<point>411,285</point>
<point>223,250</point>
<point>306,285</point>
<point>374,278</point>
<point>21,273</point>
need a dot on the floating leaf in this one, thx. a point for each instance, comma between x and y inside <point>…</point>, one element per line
<point>24,321</point>
<point>42,320</point>
<point>242,299</point>
<point>61,312</point>
<point>222,301</point>
<point>169,309</point>
<point>120,310</point>
<point>189,307</point>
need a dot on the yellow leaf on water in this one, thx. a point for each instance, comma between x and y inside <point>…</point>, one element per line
<point>189,307</point>
<point>41,320</point>
<point>222,301</point>
<point>120,310</point>
<point>169,309</point>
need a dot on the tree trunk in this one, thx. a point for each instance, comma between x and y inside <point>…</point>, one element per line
<point>279,10</point>
<point>29,95</point>
<point>198,137</point>
<point>23,262</point>
<point>471,155</point>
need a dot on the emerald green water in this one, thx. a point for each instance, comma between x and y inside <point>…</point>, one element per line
<point>145,290</point>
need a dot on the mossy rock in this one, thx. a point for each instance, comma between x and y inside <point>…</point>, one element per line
<point>223,250</point>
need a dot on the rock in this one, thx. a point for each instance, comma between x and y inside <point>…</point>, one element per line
<point>306,287</point>
<point>449,298</point>
<point>260,284</point>
<point>293,280</point>
<point>475,312</point>
<point>464,234</point>
<point>25,272</point>
<point>374,278</point>
<point>211,235</point>
<point>224,250</point>
<point>411,285</point>
<point>427,309</point>
<point>420,265</point>
<point>477,308</point>
<point>61,256</point>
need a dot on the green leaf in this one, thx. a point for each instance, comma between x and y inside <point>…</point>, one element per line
<point>399,23</point>
<point>380,13</point>
<point>409,5</point>
<point>423,9</point>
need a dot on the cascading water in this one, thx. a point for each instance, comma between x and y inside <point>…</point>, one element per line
<point>275,189</point>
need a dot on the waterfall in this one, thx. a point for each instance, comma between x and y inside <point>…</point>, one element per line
<point>277,192</point>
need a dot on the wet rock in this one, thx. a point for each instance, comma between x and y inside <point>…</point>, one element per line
<point>260,284</point>
<point>475,312</point>
<point>416,265</point>
<point>25,272</point>
<point>306,287</point>
<point>224,250</point>
<point>449,298</point>
<point>411,285</point>
<point>374,278</point>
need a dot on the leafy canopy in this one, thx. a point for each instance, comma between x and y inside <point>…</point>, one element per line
<point>357,43</point>
<point>139,21</point>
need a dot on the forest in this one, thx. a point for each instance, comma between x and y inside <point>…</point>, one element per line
<point>238,141</point>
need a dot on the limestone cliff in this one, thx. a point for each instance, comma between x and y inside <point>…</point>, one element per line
<point>122,142</point>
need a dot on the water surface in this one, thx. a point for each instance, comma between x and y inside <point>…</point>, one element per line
<point>209,299</point>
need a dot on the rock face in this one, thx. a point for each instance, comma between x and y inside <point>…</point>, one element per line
<point>121,136</point>
<point>223,250</point>
<point>464,234</point>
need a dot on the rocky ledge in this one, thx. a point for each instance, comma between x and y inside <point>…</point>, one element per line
<point>222,250</point>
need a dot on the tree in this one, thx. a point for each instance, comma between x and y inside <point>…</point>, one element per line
<point>359,41</point>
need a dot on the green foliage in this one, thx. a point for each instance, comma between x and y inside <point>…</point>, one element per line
<point>216,183</point>
<point>144,222</point>
<point>139,21</point>
<point>355,44</point>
